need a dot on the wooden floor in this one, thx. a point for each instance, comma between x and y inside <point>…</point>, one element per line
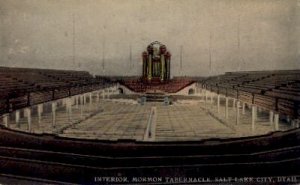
<point>112,119</point>
<point>188,122</point>
<point>117,121</point>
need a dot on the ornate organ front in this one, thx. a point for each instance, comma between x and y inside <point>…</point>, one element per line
<point>156,63</point>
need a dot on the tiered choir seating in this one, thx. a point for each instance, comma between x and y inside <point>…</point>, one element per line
<point>21,87</point>
<point>275,90</point>
<point>172,86</point>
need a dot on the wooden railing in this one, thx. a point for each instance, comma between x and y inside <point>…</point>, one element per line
<point>10,104</point>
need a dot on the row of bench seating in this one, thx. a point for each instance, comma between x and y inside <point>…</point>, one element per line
<point>20,87</point>
<point>278,90</point>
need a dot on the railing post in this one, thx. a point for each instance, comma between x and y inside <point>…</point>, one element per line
<point>226,108</point>
<point>276,121</point>
<point>17,114</point>
<point>271,117</point>
<point>91,100</point>
<point>53,114</point>
<point>28,113</point>
<point>254,110</point>
<point>243,108</point>
<point>218,103</point>
<point>40,111</point>
<point>81,106</point>
<point>237,112</point>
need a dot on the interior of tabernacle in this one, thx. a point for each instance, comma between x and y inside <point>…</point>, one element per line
<point>205,91</point>
<point>152,107</point>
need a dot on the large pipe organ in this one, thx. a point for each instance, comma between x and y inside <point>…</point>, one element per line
<point>156,63</point>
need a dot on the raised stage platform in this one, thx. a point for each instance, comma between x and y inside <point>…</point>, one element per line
<point>171,86</point>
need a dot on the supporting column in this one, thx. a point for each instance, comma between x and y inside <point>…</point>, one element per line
<point>84,99</point>
<point>73,100</point>
<point>243,108</point>
<point>276,121</point>
<point>205,91</point>
<point>256,113</point>
<point>17,118</point>
<point>68,106</point>
<point>76,101</point>
<point>53,113</point>
<point>271,117</point>
<point>226,108</point>
<point>237,112</point>
<point>254,110</point>
<point>233,103</point>
<point>40,110</point>
<point>28,112</point>
<point>90,98</point>
<point>5,120</point>
<point>79,101</point>
<point>218,103</point>
<point>211,97</point>
<point>66,100</point>
<point>70,110</point>
<point>81,105</point>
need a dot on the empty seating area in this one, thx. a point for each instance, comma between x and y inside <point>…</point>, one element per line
<point>274,90</point>
<point>172,86</point>
<point>55,116</point>
<point>188,122</point>
<point>72,78</point>
<point>9,84</point>
<point>116,121</point>
<point>238,117</point>
<point>21,87</point>
<point>97,115</point>
<point>42,118</point>
<point>98,118</point>
<point>226,79</point>
<point>113,119</point>
<point>45,78</point>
